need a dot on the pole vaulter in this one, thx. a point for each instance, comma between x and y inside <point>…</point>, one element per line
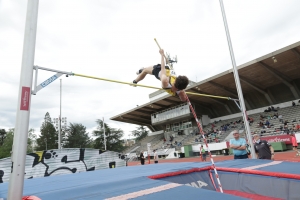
<point>203,135</point>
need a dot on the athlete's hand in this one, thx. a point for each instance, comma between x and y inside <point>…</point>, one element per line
<point>272,157</point>
<point>161,51</point>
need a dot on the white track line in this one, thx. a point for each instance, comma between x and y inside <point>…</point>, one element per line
<point>145,192</point>
<point>263,165</point>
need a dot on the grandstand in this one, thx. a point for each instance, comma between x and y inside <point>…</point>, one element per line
<point>264,83</point>
<point>290,114</point>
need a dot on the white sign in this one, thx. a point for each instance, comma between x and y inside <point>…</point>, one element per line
<point>49,80</point>
<point>297,135</point>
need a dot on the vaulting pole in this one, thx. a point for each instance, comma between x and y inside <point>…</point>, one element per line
<point>19,149</point>
<point>204,139</point>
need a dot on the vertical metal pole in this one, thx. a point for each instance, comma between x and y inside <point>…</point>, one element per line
<point>238,83</point>
<point>59,125</point>
<point>104,135</point>
<point>18,155</point>
<point>35,80</point>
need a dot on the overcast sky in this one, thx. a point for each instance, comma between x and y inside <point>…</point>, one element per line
<point>114,38</point>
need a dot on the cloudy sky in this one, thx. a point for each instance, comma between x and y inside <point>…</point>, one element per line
<point>112,39</point>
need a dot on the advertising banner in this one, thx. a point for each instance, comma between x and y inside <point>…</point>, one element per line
<point>25,97</point>
<point>278,138</point>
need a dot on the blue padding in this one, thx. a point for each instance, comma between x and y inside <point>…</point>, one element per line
<point>113,182</point>
<point>282,188</point>
<point>101,190</point>
<point>188,193</point>
<point>242,163</point>
<point>284,167</point>
<point>71,183</point>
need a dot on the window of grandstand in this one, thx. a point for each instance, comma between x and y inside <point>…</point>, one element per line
<point>167,127</point>
<point>186,124</point>
<point>175,127</point>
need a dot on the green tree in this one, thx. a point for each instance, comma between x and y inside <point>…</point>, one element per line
<point>6,148</point>
<point>77,137</point>
<point>49,136</point>
<point>113,137</point>
<point>140,133</point>
<point>31,141</point>
<point>2,136</point>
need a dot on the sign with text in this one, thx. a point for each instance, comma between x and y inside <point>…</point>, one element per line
<point>49,80</point>
<point>25,97</point>
<point>278,138</point>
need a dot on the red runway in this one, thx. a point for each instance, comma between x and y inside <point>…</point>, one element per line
<point>279,156</point>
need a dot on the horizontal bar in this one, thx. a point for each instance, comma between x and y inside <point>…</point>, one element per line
<point>53,70</point>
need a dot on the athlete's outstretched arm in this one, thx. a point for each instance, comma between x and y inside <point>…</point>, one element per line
<point>163,77</point>
<point>182,95</point>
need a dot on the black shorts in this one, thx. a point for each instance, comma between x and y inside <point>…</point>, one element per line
<point>245,156</point>
<point>295,147</point>
<point>156,70</point>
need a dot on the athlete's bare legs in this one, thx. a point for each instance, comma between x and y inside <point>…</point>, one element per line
<point>143,73</point>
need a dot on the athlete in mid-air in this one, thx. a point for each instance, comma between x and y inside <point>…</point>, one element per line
<point>169,81</point>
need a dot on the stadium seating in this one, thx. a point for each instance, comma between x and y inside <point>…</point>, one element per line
<point>290,114</point>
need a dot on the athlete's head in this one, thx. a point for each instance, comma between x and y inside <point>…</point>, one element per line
<point>181,82</point>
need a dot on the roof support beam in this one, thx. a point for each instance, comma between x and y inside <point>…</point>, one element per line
<point>215,111</point>
<point>205,107</point>
<point>151,128</point>
<point>248,107</point>
<point>216,100</point>
<point>226,89</point>
<point>222,103</point>
<point>151,109</point>
<point>171,101</point>
<point>230,91</point>
<point>296,87</point>
<point>297,53</point>
<point>144,112</point>
<point>139,116</point>
<point>137,121</point>
<point>271,95</point>
<point>159,105</point>
<point>257,88</point>
<point>286,80</point>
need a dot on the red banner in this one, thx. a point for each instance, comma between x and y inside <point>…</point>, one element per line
<point>25,97</point>
<point>278,138</point>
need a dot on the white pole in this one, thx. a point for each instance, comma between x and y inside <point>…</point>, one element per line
<point>104,135</point>
<point>238,83</point>
<point>59,125</point>
<point>18,155</point>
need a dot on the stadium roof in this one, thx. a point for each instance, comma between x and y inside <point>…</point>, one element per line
<point>271,79</point>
